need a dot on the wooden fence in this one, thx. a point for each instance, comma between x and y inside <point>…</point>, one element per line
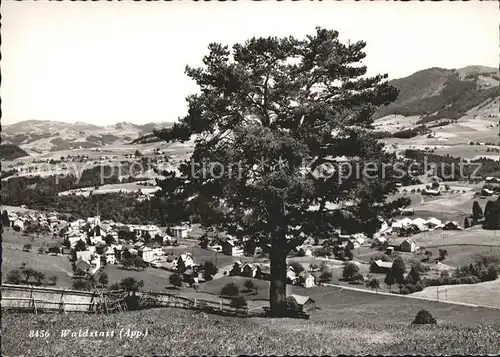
<point>43,299</point>
<point>35,298</point>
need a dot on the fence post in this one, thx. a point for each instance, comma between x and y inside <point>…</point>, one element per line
<point>61,303</point>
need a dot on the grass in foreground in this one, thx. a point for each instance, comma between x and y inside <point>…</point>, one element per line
<point>183,332</point>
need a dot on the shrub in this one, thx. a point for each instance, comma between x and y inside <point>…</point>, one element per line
<point>349,270</point>
<point>404,291</point>
<point>230,290</point>
<point>424,317</point>
<point>492,273</point>
<point>325,275</point>
<point>80,284</point>
<point>453,281</point>
<point>297,267</point>
<point>419,286</point>
<point>291,304</point>
<point>14,277</point>
<point>52,280</point>
<point>209,270</point>
<point>175,280</point>
<point>313,267</point>
<point>249,285</point>
<point>466,280</point>
<point>411,288</point>
<point>238,302</point>
<point>131,284</point>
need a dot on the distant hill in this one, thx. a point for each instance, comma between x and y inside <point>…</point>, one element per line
<point>11,152</point>
<point>436,93</point>
<point>41,136</point>
<point>145,139</point>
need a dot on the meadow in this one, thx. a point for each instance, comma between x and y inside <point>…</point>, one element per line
<point>486,293</point>
<point>356,326</point>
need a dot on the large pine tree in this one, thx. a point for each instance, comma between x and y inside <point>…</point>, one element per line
<point>270,116</point>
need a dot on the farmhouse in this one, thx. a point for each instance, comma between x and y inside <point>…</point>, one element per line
<point>179,231</point>
<point>492,180</point>
<point>230,248</point>
<point>110,256</point>
<point>186,258</point>
<point>452,225</point>
<point>291,275</point>
<point>85,255</point>
<point>147,254</point>
<point>403,245</point>
<point>265,272</point>
<point>82,265</point>
<point>430,192</point>
<point>251,271</point>
<point>18,224</point>
<point>305,303</point>
<point>433,223</point>
<point>378,266</point>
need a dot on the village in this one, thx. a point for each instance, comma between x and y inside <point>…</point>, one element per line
<point>196,258</point>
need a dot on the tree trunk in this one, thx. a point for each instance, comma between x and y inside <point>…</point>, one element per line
<point>277,290</point>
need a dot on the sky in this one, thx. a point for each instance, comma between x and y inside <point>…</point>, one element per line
<point>106,62</point>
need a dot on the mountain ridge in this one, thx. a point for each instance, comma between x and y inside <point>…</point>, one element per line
<point>432,94</point>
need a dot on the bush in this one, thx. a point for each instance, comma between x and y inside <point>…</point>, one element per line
<point>468,280</point>
<point>419,286</point>
<point>14,277</point>
<point>80,284</point>
<point>230,289</point>
<point>424,317</point>
<point>349,270</point>
<point>411,288</point>
<point>325,275</point>
<point>238,302</point>
<point>291,304</point>
<point>404,291</point>
<point>175,280</point>
<point>249,285</point>
<point>52,280</point>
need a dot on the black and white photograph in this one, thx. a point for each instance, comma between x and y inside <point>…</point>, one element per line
<point>221,178</point>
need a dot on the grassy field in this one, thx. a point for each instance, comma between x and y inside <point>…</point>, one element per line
<point>486,294</point>
<point>171,332</point>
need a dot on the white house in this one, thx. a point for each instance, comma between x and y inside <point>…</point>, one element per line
<point>156,248</point>
<point>18,224</point>
<point>230,248</point>
<point>186,258</point>
<point>96,240</point>
<point>85,255</point>
<point>110,256</point>
<point>168,239</point>
<point>309,281</point>
<point>147,254</point>
<point>179,231</point>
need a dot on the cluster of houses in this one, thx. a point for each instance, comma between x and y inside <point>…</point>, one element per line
<point>263,271</point>
<point>98,248</point>
<point>408,226</point>
<point>20,221</point>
